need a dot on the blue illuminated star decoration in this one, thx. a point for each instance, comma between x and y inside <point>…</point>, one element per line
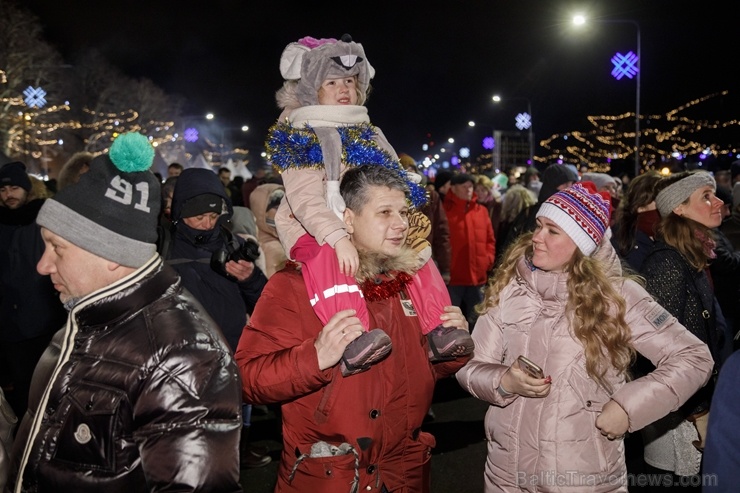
<point>35,97</point>
<point>190,135</point>
<point>624,65</point>
<point>488,143</point>
<point>523,121</point>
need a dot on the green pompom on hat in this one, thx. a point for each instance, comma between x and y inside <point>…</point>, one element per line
<point>132,152</point>
<point>113,210</point>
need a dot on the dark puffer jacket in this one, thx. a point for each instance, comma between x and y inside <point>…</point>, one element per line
<point>142,395</point>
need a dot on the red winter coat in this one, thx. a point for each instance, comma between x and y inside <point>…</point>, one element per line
<point>378,412</point>
<point>471,239</point>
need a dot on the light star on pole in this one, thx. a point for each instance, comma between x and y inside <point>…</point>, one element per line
<point>35,97</point>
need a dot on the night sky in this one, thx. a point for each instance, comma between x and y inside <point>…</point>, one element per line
<point>437,63</point>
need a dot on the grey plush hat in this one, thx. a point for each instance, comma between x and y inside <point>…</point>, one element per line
<point>311,61</point>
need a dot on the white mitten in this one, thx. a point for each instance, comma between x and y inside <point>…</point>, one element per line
<point>334,200</point>
<point>414,177</point>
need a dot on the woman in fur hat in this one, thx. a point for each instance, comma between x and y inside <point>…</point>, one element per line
<point>322,131</point>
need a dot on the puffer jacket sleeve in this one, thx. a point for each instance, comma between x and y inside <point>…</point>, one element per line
<point>276,354</point>
<point>683,363</point>
<point>193,411</point>
<point>481,376</point>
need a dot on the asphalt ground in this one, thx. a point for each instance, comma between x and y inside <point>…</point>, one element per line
<point>457,460</point>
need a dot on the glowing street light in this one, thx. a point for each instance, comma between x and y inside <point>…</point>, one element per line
<point>625,65</point>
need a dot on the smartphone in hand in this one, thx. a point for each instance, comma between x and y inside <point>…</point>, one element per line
<point>530,368</point>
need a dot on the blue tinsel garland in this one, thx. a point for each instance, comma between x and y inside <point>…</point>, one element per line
<point>291,147</point>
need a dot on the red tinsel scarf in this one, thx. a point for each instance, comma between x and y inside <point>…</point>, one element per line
<point>379,288</point>
<point>382,288</point>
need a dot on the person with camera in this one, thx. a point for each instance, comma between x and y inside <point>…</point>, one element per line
<point>558,331</point>
<point>216,266</point>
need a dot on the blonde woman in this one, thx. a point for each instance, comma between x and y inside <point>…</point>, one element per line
<point>560,301</point>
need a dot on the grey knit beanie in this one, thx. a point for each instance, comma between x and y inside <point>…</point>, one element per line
<point>677,193</point>
<point>113,210</point>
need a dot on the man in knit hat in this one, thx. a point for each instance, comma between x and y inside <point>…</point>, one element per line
<point>138,392</point>
<point>30,311</point>
<point>442,182</point>
<point>14,185</point>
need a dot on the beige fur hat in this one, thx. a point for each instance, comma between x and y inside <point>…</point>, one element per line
<point>311,61</point>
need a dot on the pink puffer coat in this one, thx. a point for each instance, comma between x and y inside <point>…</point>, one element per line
<point>552,444</point>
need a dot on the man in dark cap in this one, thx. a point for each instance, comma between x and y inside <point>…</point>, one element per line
<point>228,289</point>
<point>442,182</point>
<point>472,243</point>
<point>138,391</point>
<point>30,310</point>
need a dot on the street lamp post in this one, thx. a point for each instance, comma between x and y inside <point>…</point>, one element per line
<point>243,128</point>
<point>530,135</point>
<point>489,142</point>
<point>579,20</point>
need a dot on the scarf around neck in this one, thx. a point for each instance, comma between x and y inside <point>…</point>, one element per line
<point>328,115</point>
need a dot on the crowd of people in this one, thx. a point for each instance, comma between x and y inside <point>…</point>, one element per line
<point>142,320</point>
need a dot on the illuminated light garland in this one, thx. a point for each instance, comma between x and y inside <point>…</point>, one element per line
<point>292,147</point>
<point>667,134</point>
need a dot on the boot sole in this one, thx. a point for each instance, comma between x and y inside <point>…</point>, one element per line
<point>371,355</point>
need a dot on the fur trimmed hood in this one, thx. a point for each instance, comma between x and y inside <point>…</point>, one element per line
<point>373,264</point>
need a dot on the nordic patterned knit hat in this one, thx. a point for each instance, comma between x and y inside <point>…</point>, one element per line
<point>311,61</point>
<point>584,216</point>
<point>113,210</point>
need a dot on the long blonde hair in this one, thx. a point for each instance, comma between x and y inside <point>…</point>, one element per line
<point>595,308</point>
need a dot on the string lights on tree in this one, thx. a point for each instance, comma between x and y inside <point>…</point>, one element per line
<point>674,134</point>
